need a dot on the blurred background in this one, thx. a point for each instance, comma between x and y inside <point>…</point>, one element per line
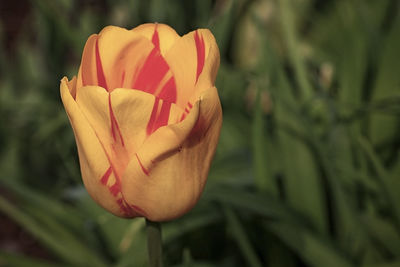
<point>307,171</point>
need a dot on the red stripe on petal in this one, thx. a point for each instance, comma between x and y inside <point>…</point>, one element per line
<point>153,71</point>
<point>168,92</point>
<point>201,53</point>
<point>121,204</point>
<point>156,39</point>
<point>158,118</point>
<point>101,80</point>
<point>115,189</point>
<point>106,176</point>
<point>186,111</point>
<point>128,211</point>
<point>152,75</point>
<point>164,115</point>
<point>153,117</point>
<point>114,124</point>
<point>145,171</point>
<point>183,117</point>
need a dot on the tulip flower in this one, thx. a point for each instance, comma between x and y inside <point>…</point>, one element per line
<point>146,118</point>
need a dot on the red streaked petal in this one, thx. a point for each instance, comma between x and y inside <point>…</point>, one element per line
<point>137,117</point>
<point>156,39</point>
<point>95,104</point>
<point>155,153</point>
<point>168,91</point>
<point>189,58</point>
<point>113,184</point>
<point>166,35</point>
<point>91,71</point>
<point>106,176</point>
<point>153,117</point>
<point>87,72</point>
<point>145,171</point>
<point>115,46</point>
<point>186,111</point>
<point>159,115</point>
<point>128,63</point>
<point>94,162</point>
<point>115,132</point>
<point>101,79</point>
<point>163,117</point>
<point>152,74</point>
<point>201,53</point>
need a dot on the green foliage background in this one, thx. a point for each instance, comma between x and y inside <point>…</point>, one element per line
<point>307,168</point>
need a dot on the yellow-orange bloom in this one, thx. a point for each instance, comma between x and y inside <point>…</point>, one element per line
<point>146,117</point>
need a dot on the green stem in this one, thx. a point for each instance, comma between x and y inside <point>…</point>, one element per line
<point>154,243</point>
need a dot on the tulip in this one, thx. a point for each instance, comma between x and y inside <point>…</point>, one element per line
<point>146,118</point>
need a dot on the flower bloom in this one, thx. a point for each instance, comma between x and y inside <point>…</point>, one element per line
<point>146,117</point>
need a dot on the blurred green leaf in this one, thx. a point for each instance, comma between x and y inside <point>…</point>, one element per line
<point>295,56</point>
<point>313,250</point>
<point>241,238</point>
<point>388,192</point>
<point>262,163</point>
<point>384,234</point>
<point>72,253</point>
<point>12,259</point>
<point>387,84</point>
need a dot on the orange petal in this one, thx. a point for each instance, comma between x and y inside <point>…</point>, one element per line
<point>92,158</point>
<point>134,63</point>
<point>113,43</point>
<point>206,78</point>
<point>95,104</point>
<point>122,119</point>
<point>187,59</point>
<point>159,33</point>
<point>87,74</point>
<point>128,64</point>
<point>170,170</point>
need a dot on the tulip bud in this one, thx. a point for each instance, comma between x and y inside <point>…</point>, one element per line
<point>146,117</point>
